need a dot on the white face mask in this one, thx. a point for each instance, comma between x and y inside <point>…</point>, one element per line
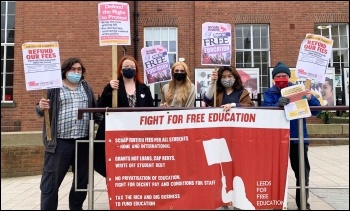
<point>227,82</point>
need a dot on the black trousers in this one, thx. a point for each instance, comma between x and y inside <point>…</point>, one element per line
<point>294,161</point>
<point>56,166</point>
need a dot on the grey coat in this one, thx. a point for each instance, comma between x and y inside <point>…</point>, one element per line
<point>53,95</point>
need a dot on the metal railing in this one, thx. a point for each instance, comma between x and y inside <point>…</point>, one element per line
<point>91,141</point>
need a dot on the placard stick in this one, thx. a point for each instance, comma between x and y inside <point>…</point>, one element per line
<point>308,84</point>
<point>215,88</point>
<point>114,74</point>
<point>47,118</point>
<point>161,92</point>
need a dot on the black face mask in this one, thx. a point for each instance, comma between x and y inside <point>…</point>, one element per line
<point>179,76</point>
<point>129,73</point>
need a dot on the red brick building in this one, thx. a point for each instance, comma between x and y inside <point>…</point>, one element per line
<point>263,33</point>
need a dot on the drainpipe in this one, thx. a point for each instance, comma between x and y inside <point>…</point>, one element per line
<point>136,30</point>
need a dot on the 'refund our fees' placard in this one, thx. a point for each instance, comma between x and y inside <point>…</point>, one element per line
<point>156,64</point>
<point>114,23</point>
<point>42,69</point>
<point>197,159</point>
<point>315,52</point>
<point>216,44</point>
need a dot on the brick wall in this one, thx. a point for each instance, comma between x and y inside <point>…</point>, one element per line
<point>21,160</point>
<point>314,120</point>
<point>75,26</point>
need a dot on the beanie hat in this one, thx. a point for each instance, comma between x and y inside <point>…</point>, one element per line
<point>280,68</point>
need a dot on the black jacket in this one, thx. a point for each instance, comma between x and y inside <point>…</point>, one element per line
<point>143,99</point>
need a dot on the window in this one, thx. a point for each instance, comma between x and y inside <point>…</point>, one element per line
<point>166,36</point>
<point>7,49</point>
<point>339,32</point>
<point>253,50</point>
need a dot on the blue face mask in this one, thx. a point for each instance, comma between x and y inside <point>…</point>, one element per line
<point>74,77</point>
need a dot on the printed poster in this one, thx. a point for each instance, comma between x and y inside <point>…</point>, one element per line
<point>114,23</point>
<point>346,84</point>
<point>197,159</point>
<point>250,80</point>
<point>42,68</point>
<point>298,107</point>
<point>155,60</point>
<point>324,92</point>
<point>202,79</point>
<point>216,44</point>
<point>249,76</point>
<point>315,52</point>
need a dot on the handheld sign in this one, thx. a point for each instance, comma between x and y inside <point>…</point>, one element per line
<point>315,52</point>
<point>42,70</point>
<point>114,29</point>
<point>216,46</point>
<point>156,64</point>
<point>114,23</point>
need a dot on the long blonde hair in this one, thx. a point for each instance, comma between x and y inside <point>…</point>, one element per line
<point>183,89</point>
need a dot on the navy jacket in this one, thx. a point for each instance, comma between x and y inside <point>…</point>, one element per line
<point>271,97</point>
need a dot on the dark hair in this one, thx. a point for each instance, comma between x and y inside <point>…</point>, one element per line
<point>238,85</point>
<point>67,65</point>
<point>120,67</point>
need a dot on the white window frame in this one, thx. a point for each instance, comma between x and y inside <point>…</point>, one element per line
<point>155,88</point>
<point>5,45</point>
<point>252,50</point>
<point>322,27</point>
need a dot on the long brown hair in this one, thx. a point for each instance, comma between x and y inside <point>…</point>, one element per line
<point>137,77</point>
<point>183,90</point>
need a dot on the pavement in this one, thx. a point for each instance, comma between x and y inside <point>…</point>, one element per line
<point>329,168</point>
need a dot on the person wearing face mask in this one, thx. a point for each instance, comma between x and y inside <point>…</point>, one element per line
<point>229,90</point>
<point>66,128</point>
<point>132,92</point>
<point>180,91</point>
<point>273,97</point>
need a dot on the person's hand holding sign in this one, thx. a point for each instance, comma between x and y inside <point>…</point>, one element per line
<point>214,76</point>
<point>44,104</point>
<point>163,105</point>
<point>308,94</point>
<point>114,84</point>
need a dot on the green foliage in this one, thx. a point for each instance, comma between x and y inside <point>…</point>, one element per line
<point>345,115</point>
<point>326,116</point>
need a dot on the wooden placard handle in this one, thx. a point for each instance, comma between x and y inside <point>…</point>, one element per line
<point>114,75</point>
<point>215,89</point>
<point>47,118</point>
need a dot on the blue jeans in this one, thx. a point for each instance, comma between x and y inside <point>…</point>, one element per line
<point>55,168</point>
<point>294,161</point>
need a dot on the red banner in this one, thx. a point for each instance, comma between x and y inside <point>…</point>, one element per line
<point>197,159</point>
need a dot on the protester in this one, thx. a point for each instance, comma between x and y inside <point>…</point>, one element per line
<point>132,92</point>
<point>273,97</point>
<point>62,104</point>
<point>327,92</point>
<point>229,90</point>
<point>180,91</point>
